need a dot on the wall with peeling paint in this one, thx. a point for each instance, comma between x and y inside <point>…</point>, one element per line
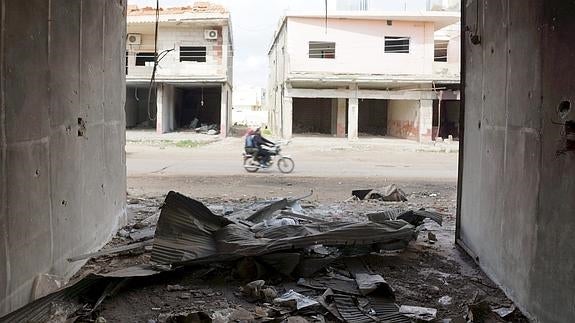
<point>62,160</point>
<point>517,194</point>
<point>403,119</point>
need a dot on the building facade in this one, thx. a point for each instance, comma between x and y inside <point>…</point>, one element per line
<point>361,72</point>
<point>193,77</point>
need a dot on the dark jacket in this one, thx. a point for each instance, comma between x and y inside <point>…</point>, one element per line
<point>260,141</point>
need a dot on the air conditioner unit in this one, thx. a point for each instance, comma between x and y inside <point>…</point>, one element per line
<point>134,39</point>
<point>211,34</point>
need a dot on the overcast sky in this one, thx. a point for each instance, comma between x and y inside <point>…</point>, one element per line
<point>253,25</point>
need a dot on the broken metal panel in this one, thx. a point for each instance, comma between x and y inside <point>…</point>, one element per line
<point>43,309</point>
<point>414,217</point>
<point>349,311</point>
<point>189,231</point>
<point>259,211</point>
<point>389,193</point>
<point>185,230</point>
<point>368,282</point>
<point>341,285</point>
<point>386,311</point>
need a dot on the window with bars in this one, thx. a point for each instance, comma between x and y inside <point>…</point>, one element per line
<point>320,49</point>
<point>440,52</point>
<point>397,44</point>
<point>193,54</point>
<point>145,58</point>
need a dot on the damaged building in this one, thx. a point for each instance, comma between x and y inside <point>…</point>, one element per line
<point>364,72</point>
<point>193,78</point>
<point>62,158</point>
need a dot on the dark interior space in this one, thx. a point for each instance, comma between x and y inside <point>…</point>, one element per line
<point>136,107</point>
<point>446,119</point>
<point>201,103</point>
<point>312,115</point>
<point>372,117</point>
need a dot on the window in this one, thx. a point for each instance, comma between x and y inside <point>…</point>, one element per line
<point>320,49</point>
<point>397,44</point>
<point>440,54</point>
<point>193,54</point>
<point>145,58</point>
<point>361,5</point>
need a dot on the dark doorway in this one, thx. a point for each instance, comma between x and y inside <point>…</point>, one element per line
<point>197,106</point>
<point>446,118</point>
<point>312,116</point>
<point>372,117</point>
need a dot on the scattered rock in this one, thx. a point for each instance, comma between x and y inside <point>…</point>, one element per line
<point>418,313</point>
<point>185,296</point>
<point>445,300</point>
<point>241,314</point>
<point>431,237</point>
<point>123,233</point>
<point>175,288</point>
<point>100,320</point>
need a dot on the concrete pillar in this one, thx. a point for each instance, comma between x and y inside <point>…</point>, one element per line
<point>62,138</point>
<point>425,120</point>
<point>165,113</point>
<point>333,126</point>
<point>160,129</point>
<point>353,114</point>
<point>225,55</point>
<point>340,126</point>
<point>287,117</point>
<point>224,112</point>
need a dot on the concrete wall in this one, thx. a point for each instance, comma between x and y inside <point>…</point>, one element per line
<point>403,119</point>
<point>62,161</point>
<point>277,58</point>
<point>218,52</point>
<point>516,192</point>
<point>360,43</point>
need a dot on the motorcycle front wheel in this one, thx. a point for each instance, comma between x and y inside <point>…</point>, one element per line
<point>286,165</point>
<point>250,165</point>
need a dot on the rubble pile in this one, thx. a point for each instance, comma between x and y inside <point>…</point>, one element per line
<point>298,266</point>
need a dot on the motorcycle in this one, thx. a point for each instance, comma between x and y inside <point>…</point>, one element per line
<point>285,163</point>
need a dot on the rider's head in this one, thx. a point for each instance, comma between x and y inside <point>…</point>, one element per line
<point>258,130</point>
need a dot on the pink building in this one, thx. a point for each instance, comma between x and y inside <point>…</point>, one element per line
<point>369,73</point>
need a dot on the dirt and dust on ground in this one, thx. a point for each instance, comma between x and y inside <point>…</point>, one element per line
<point>431,272</point>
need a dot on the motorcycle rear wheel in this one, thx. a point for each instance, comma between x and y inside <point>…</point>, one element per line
<point>250,165</point>
<point>286,165</point>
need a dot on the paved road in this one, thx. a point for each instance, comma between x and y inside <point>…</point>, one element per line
<point>314,157</point>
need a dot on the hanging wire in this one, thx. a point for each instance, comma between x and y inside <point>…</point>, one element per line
<point>326,17</point>
<point>152,79</point>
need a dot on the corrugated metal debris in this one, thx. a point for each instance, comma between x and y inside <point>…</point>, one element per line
<point>276,234</point>
<point>390,193</point>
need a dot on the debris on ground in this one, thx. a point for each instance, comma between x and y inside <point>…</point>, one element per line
<point>209,129</point>
<point>418,313</point>
<point>287,261</point>
<point>390,193</point>
<point>295,301</point>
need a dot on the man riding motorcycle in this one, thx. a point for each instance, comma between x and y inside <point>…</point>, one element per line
<point>254,145</point>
